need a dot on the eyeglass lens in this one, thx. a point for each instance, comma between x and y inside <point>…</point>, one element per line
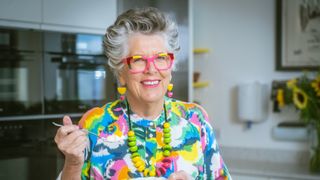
<point>160,61</point>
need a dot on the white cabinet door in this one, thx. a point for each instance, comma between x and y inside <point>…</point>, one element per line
<point>247,177</point>
<point>97,14</point>
<point>21,10</point>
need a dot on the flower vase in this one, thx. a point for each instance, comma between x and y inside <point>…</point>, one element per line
<point>314,165</point>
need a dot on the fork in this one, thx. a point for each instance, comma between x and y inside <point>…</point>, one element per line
<point>85,130</point>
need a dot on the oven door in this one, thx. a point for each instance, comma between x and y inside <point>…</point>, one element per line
<point>20,83</point>
<point>75,83</point>
<point>20,72</point>
<point>28,150</point>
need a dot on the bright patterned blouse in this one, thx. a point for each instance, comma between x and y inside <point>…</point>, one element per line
<point>194,146</point>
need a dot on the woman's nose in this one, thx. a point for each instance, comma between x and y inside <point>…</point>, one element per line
<point>150,67</point>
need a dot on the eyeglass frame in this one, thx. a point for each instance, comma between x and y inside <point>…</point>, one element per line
<point>149,60</point>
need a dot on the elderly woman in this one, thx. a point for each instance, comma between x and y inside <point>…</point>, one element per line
<point>145,133</point>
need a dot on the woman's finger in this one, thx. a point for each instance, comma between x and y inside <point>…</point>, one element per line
<point>67,120</point>
<point>78,142</point>
<point>75,154</point>
<point>71,139</point>
<point>73,135</point>
<point>65,130</point>
<point>63,133</point>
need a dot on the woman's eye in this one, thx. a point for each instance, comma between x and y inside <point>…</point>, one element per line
<point>137,60</point>
<point>161,58</point>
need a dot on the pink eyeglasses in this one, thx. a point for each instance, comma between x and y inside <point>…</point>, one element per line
<point>138,64</point>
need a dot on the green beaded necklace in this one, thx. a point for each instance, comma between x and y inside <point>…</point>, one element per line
<point>135,156</point>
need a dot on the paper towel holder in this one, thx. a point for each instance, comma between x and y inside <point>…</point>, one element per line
<point>252,103</point>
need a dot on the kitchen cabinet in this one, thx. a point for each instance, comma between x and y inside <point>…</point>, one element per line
<point>20,13</point>
<point>20,10</point>
<point>78,16</point>
<point>98,14</point>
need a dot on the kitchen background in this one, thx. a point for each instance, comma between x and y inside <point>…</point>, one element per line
<point>237,41</point>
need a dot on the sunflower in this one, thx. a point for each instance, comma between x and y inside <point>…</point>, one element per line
<point>292,83</point>
<point>280,97</point>
<point>300,98</point>
<point>316,85</point>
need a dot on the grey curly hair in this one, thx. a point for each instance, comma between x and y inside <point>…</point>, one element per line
<point>146,21</point>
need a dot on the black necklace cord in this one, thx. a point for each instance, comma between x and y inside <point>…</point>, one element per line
<point>165,112</point>
<point>128,113</point>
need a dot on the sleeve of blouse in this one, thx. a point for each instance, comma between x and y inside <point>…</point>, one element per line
<point>86,122</point>
<point>214,166</point>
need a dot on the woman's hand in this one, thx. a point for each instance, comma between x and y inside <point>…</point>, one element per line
<point>180,175</point>
<point>71,141</point>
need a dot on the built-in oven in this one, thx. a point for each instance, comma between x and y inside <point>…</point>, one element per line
<point>28,151</point>
<point>46,74</point>
<point>76,75</point>
<point>43,76</point>
<point>20,72</point>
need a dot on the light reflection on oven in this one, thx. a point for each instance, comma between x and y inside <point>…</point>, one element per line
<point>76,74</point>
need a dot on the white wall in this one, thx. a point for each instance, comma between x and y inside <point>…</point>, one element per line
<point>241,37</point>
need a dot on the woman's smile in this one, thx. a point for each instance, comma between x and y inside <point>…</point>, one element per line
<point>149,83</point>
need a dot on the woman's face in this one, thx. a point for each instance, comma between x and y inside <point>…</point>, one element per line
<point>151,85</point>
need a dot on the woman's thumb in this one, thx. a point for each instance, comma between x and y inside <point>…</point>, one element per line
<point>67,120</point>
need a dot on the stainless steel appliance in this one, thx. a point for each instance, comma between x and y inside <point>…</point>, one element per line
<point>76,75</point>
<point>49,74</point>
<point>43,76</point>
<point>27,150</point>
<point>20,72</point>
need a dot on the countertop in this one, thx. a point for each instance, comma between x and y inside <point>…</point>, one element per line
<point>270,169</point>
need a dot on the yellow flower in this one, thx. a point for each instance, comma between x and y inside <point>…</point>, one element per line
<point>300,98</point>
<point>280,97</point>
<point>316,85</point>
<point>292,83</point>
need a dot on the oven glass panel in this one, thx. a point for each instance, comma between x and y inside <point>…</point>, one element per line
<point>20,72</point>
<point>76,74</point>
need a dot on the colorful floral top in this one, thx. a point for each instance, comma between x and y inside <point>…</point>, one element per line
<point>194,146</point>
